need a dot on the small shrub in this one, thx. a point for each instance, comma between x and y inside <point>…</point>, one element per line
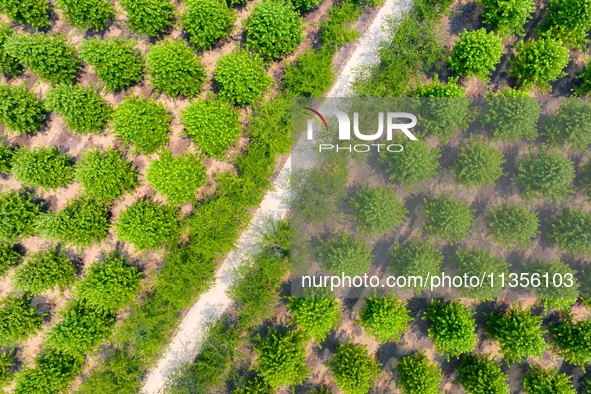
<point>448,218</point>
<point>569,21</point>
<point>320,390</point>
<point>386,319</point>
<point>315,316</point>
<point>114,60</point>
<point>481,375</point>
<point>416,163</point>
<point>378,210</point>
<point>570,125</point>
<point>82,109</point>
<point>583,87</point>
<point>418,375</point>
<point>53,372</point>
<point>18,212</point>
<point>7,360</point>
<point>18,319</point>
<point>178,178</point>
<point>105,176</point>
<point>151,17</point>
<point>273,29</point>
<point>345,253</point>
<point>477,53</point>
<point>519,333</point>
<point>337,29</point>
<point>29,12</point>
<point>571,231</point>
<point>174,69</point>
<point>20,110</point>
<point>415,257</point>
<point>478,164</point>
<point>547,174</point>
<point>49,57</point>
<point>572,340</point>
<point>310,75</point>
<point>512,224</point>
<point>539,381</point>
<point>555,293</point>
<point>213,124</point>
<point>282,359</point>
<point>241,78</point>
<point>147,225</point>
<point>473,262</point>
<point>42,167</point>
<point>87,14</point>
<point>537,63</point>
<point>584,183</point>
<point>254,386</point>
<point>453,329</point>
<point>354,371</point>
<point>82,222</point>
<point>507,17</point>
<point>6,153</point>
<point>143,123</point>
<point>206,22</point>
<point>8,64</point>
<point>511,115</point>
<point>8,258</point>
<point>43,271</point>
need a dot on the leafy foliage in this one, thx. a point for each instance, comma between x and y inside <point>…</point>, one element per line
<point>571,231</point>
<point>354,371</point>
<point>415,257</point>
<point>416,163</point>
<point>519,333</point>
<point>477,53</point>
<point>254,386</point>
<point>512,224</point>
<point>151,17</point>
<point>378,210</point>
<point>143,123</point>
<point>207,21</point>
<point>273,29</point>
<point>549,174</point>
<point>336,30</point>
<point>478,164</point>
<point>512,114</point>
<point>569,21</point>
<point>584,182</point>
<point>42,167</point>
<point>178,178</point>
<point>311,75</point>
<point>213,124</point>
<point>18,319</point>
<point>538,62</point>
<point>8,64</point>
<point>7,359</point>
<point>43,271</point>
<point>572,340</point>
<point>87,14</point>
<point>105,176</point>
<point>147,225</point>
<point>6,153</point>
<point>48,56</point>
<point>53,372</point>
<point>30,12</point>
<point>481,375</point>
<point>584,83</point>
<point>448,218</point>
<point>345,253</point>
<point>241,78</point>
<point>174,69</point>
<point>553,295</point>
<point>507,17</point>
<point>453,329</point>
<point>473,262</point>
<point>18,212</point>
<point>20,109</point>
<point>82,109</point>
<point>570,125</point>
<point>282,358</point>
<point>8,258</point>
<point>315,316</point>
<point>386,319</point>
<point>114,60</point>
<point>419,375</point>
<point>82,222</point>
<point>539,380</point>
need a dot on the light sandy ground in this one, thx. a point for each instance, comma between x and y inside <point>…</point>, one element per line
<point>211,305</point>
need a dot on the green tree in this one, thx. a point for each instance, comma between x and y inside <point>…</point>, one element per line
<point>570,125</point>
<point>54,371</point>
<point>386,319</point>
<point>448,218</point>
<point>310,75</point>
<point>354,371</point>
<point>337,29</point>
<point>143,123</point>
<point>305,5</point>
<point>345,254</point>
<point>273,29</point>
<point>8,64</point>
<point>178,178</point>
<point>569,21</point>
<point>316,316</point>
<point>416,163</point>
<point>115,61</point>
<point>418,375</point>
<point>43,271</point>
<point>29,12</point>
<point>584,182</point>
<point>8,258</point>
<point>87,14</point>
<point>473,262</point>
<point>42,167</point>
<point>207,21</point>
<point>477,53</point>
<point>18,212</point>
<point>254,386</point>
<point>539,381</point>
<point>415,257</point>
<point>478,164</point>
<point>175,69</point>
<point>20,110</point>
<point>512,224</point>
<point>18,319</point>
<point>378,210</point>
<point>481,375</point>
<point>453,329</point>
<point>570,231</point>
<point>49,57</point>
<point>519,333</point>
<point>151,17</point>
<point>6,153</point>
<point>572,340</point>
<point>241,78</point>
<point>554,293</point>
<point>507,17</point>
<point>7,360</point>
<point>82,109</point>
<point>512,114</point>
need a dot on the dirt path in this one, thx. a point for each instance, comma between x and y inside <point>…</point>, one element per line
<point>184,346</point>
